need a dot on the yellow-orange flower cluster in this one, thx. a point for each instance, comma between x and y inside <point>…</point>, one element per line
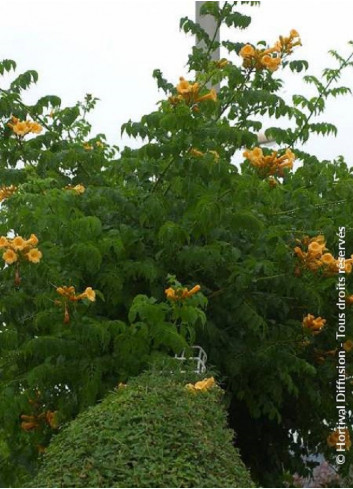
<point>181,293</point>
<point>21,128</point>
<point>78,189</point>
<point>270,58</point>
<point>222,63</point>
<point>260,58</point>
<point>189,92</point>
<point>6,192</point>
<point>33,422</point>
<point>316,258</point>
<point>202,385</point>
<point>88,147</point>
<point>285,45</point>
<point>198,154</point>
<point>70,293</point>
<point>18,247</point>
<point>339,439</point>
<point>313,324</point>
<point>270,164</point>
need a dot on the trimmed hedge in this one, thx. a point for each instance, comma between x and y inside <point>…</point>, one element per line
<point>151,433</point>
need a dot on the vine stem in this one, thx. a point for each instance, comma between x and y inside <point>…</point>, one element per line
<point>218,26</point>
<point>227,105</point>
<point>159,179</point>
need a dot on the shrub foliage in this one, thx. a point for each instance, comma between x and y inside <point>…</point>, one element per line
<point>151,432</point>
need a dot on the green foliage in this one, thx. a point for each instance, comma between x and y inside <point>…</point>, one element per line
<point>152,432</point>
<point>185,206</point>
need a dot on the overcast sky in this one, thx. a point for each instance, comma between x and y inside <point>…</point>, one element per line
<point>110,48</point>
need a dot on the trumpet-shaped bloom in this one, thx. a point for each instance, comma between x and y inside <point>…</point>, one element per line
<point>52,419</point>
<point>32,241</point>
<point>21,128</point>
<point>270,62</point>
<point>317,259</point>
<point>66,291</point>
<point>196,153</point>
<point>327,259</point>
<point>183,86</point>
<point>270,164</point>
<point>7,191</point>
<point>170,293</point>
<point>18,243</point>
<point>79,189</point>
<point>211,95</point>
<point>314,324</point>
<point>35,127</point>
<point>269,58</point>
<point>90,294</point>
<point>70,293</point>
<point>299,252</point>
<point>316,249</point>
<point>4,242</point>
<point>181,292</point>
<point>338,438</point>
<point>10,256</point>
<point>202,385</point>
<point>189,92</point>
<point>29,425</point>
<point>222,63</point>
<point>193,291</point>
<point>286,44</point>
<point>247,51</point>
<point>34,255</point>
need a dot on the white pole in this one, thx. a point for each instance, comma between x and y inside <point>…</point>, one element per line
<point>209,24</point>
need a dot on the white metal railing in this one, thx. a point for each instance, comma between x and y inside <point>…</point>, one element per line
<point>199,358</point>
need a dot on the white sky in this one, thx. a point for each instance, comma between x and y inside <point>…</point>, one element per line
<point>110,48</point>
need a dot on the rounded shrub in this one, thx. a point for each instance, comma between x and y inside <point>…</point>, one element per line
<point>152,432</point>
